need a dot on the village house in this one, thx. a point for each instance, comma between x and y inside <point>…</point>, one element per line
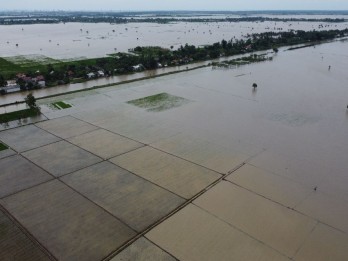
<point>11,86</point>
<point>90,75</point>
<point>37,81</point>
<point>100,73</point>
<point>138,68</point>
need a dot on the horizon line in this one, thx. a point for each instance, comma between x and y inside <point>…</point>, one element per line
<point>177,10</point>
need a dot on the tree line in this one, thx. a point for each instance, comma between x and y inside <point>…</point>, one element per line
<point>121,19</point>
<point>154,57</point>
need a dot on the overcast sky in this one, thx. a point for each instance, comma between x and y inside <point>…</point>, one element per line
<point>138,5</point>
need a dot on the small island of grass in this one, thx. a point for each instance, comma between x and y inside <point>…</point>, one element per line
<point>3,147</point>
<point>159,102</point>
<point>254,58</point>
<point>61,105</point>
<point>17,115</point>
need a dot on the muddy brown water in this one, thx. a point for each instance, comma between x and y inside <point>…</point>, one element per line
<point>298,108</point>
<point>297,113</point>
<point>76,40</point>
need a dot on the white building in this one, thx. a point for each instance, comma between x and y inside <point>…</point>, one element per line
<point>41,84</point>
<point>90,75</point>
<point>138,68</point>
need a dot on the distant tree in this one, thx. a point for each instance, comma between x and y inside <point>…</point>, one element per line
<point>30,85</point>
<point>30,100</point>
<point>138,49</point>
<point>224,44</point>
<point>49,68</point>
<point>3,82</point>
<point>66,80</point>
<point>22,84</point>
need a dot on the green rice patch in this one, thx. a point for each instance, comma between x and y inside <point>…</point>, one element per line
<point>16,115</point>
<point>159,102</point>
<point>61,105</point>
<point>3,147</point>
<point>7,67</point>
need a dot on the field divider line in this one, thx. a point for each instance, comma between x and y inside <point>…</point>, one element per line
<point>27,233</point>
<point>189,201</point>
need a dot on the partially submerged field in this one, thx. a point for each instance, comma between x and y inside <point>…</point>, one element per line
<point>236,173</point>
<point>10,66</point>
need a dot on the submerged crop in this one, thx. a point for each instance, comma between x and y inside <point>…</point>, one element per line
<point>159,102</point>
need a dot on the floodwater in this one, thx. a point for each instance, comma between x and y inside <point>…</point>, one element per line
<point>282,148</point>
<point>19,96</point>
<point>298,110</point>
<point>61,89</point>
<point>78,40</point>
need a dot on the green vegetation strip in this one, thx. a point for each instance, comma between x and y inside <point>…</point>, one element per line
<point>159,102</point>
<point>159,17</point>
<point>243,60</point>
<point>61,105</point>
<point>3,147</point>
<point>16,115</point>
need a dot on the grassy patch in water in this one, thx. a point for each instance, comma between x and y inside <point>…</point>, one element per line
<point>159,102</point>
<point>16,115</point>
<point>10,66</point>
<point>243,60</point>
<point>6,67</point>
<point>31,60</point>
<point>3,147</point>
<point>61,105</point>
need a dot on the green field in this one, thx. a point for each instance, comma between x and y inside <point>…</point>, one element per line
<point>61,105</point>
<point>3,147</point>
<point>10,66</point>
<point>159,102</point>
<point>16,115</point>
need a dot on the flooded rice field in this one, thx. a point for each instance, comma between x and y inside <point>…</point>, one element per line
<point>298,109</point>
<point>260,173</point>
<point>78,40</point>
<point>61,89</point>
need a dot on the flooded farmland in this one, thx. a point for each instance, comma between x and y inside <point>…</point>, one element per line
<point>292,111</point>
<point>77,40</point>
<point>198,165</point>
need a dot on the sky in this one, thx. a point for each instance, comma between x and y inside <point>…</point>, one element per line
<point>145,5</point>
